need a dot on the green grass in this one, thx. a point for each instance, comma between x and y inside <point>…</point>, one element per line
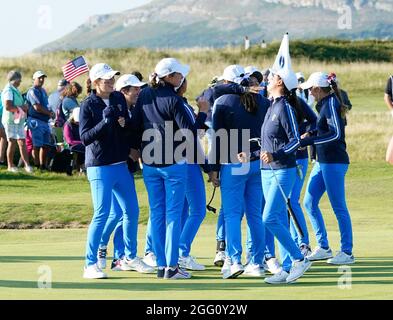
<point>22,253</point>
<point>57,201</point>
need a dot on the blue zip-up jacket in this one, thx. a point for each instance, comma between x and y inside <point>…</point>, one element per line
<point>229,113</point>
<point>330,133</point>
<point>199,155</point>
<point>106,141</point>
<point>280,135</point>
<point>309,124</point>
<point>213,93</point>
<point>155,107</point>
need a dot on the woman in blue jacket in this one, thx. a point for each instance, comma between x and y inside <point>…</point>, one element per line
<point>302,159</point>
<point>240,183</point>
<point>104,127</point>
<point>328,174</point>
<point>280,140</point>
<point>160,114</point>
<point>194,211</point>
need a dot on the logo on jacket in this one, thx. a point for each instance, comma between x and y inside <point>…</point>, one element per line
<point>274,118</point>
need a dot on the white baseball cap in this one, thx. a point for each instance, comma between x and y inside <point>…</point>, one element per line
<point>128,80</point>
<point>168,66</point>
<point>317,79</point>
<point>102,71</point>
<point>233,73</point>
<point>39,74</point>
<point>300,75</point>
<point>288,77</point>
<point>251,69</point>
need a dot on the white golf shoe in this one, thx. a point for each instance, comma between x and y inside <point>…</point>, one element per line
<point>102,252</point>
<point>150,259</point>
<point>94,272</point>
<point>342,258</point>
<point>298,269</point>
<point>138,265</point>
<point>254,270</point>
<point>319,254</point>
<point>219,260</point>
<point>189,263</point>
<point>235,271</point>
<point>278,278</point>
<point>272,265</point>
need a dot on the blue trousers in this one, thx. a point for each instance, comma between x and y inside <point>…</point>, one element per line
<point>194,211</point>
<point>149,240</point>
<point>297,209</point>
<point>270,251</point>
<point>220,230</point>
<point>275,214</point>
<point>329,178</point>
<point>115,225</point>
<point>242,193</point>
<point>106,181</point>
<point>166,188</point>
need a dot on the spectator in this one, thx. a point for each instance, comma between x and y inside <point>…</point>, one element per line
<point>55,98</point>
<point>39,115</point>
<point>3,138</point>
<point>13,119</point>
<point>70,96</point>
<point>389,94</point>
<point>304,94</point>
<point>72,137</point>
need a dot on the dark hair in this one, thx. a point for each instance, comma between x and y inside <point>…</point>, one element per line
<point>343,107</point>
<point>138,75</point>
<point>293,100</point>
<point>155,82</point>
<point>249,101</point>
<point>257,75</point>
<point>89,90</point>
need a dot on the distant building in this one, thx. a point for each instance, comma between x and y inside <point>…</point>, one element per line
<point>263,44</point>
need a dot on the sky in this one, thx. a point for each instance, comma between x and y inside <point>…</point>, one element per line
<point>31,23</point>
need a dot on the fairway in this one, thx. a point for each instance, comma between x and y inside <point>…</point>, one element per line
<point>22,253</point>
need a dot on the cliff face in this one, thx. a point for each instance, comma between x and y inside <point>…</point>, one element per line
<point>214,23</point>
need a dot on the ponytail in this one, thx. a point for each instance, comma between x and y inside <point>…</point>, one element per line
<point>333,85</point>
<point>89,90</point>
<point>154,80</point>
<point>249,102</point>
<point>293,100</point>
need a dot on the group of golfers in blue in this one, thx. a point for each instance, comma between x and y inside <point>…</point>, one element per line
<point>258,157</point>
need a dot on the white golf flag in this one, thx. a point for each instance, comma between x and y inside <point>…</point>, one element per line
<point>283,65</point>
<point>283,60</point>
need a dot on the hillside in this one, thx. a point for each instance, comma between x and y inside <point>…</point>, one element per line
<point>217,23</point>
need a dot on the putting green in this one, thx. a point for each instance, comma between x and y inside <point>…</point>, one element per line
<point>24,253</point>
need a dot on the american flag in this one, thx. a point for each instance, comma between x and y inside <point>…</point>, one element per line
<point>75,68</point>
